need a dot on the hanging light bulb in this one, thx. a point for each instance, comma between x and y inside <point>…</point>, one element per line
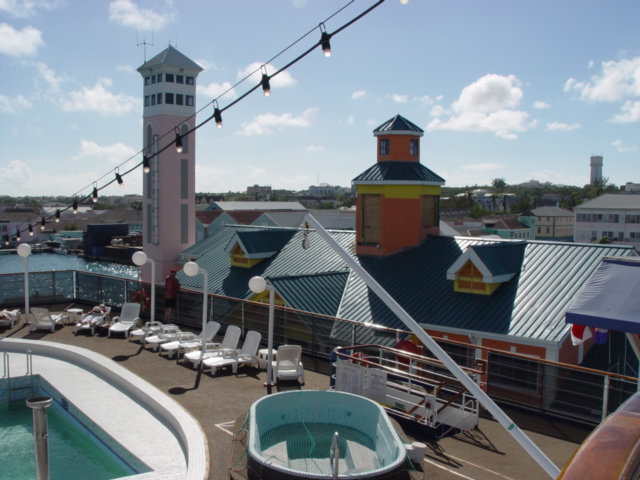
<point>30,230</point>
<point>145,164</point>
<point>17,235</point>
<point>6,239</point>
<point>119,179</point>
<point>75,205</point>
<point>178,141</point>
<point>266,88</point>
<point>95,193</point>
<point>217,114</point>
<point>57,215</point>
<point>326,44</point>
<point>43,224</point>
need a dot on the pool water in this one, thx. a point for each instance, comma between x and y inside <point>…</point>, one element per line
<point>73,452</point>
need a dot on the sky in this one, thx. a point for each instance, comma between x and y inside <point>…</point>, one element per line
<point>518,90</point>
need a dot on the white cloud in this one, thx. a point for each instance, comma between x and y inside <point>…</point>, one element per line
<point>541,105</point>
<point>14,106</point>
<point>253,74</point>
<point>27,8</point>
<point>621,148</point>
<point>98,99</point>
<point>486,106</point>
<point>616,81</point>
<point>214,90</point>
<point>128,14</point>
<point>115,153</point>
<point>427,101</point>
<point>630,113</point>
<point>49,76</point>
<point>19,43</point>
<point>562,126</point>
<point>399,98</point>
<point>358,95</point>
<point>315,148</point>
<point>269,123</point>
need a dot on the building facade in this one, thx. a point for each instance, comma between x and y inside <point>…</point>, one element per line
<point>615,217</point>
<point>550,223</point>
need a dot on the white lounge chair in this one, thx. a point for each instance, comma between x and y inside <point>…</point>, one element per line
<point>211,349</point>
<point>98,321</point>
<point>186,343</point>
<point>248,354</point>
<point>288,364</point>
<point>129,317</point>
<point>43,320</point>
<point>13,318</point>
<point>168,333</point>
<point>149,329</point>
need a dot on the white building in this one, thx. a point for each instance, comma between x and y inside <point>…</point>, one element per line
<point>615,216</point>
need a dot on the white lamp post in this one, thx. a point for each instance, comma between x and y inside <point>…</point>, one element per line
<point>140,258</point>
<point>24,250</point>
<point>259,285</point>
<point>192,269</point>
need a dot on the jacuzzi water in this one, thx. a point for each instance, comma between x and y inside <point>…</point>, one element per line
<point>73,453</point>
<point>290,436</point>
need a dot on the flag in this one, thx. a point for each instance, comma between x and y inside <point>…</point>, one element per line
<point>579,333</point>
<point>601,335</point>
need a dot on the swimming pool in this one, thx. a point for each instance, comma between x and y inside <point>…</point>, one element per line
<point>72,448</point>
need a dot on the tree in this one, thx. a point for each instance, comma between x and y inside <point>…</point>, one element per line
<point>498,184</point>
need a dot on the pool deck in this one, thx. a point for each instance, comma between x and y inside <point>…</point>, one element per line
<point>219,402</point>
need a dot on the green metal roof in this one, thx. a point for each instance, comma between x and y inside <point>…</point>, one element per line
<point>399,172</point>
<point>301,291</point>
<point>171,56</point>
<point>500,258</point>
<point>258,242</point>
<point>398,124</point>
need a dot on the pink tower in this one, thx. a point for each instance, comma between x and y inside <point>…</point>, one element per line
<point>168,205</point>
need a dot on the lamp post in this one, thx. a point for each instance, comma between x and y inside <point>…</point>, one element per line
<point>259,285</point>
<point>140,258</point>
<point>192,269</point>
<point>24,250</point>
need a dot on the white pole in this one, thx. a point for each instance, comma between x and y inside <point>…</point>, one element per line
<point>153,288</point>
<point>24,250</point>
<point>531,448</point>
<point>270,380</point>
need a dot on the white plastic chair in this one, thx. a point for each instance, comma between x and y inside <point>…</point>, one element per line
<point>14,317</point>
<point>228,345</point>
<point>129,316</point>
<point>149,329</point>
<point>248,354</point>
<point>187,343</point>
<point>168,333</point>
<point>98,321</point>
<point>288,365</point>
<point>43,320</point>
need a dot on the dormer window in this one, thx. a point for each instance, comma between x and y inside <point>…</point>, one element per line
<point>414,147</point>
<point>384,146</point>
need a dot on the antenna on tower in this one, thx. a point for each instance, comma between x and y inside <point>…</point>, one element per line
<point>144,42</point>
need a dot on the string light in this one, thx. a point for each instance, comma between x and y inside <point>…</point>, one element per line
<point>17,235</point>
<point>43,224</point>
<point>145,164</point>
<point>30,229</point>
<point>324,41</point>
<point>57,215</point>
<point>119,179</point>
<point>6,239</point>
<point>266,88</point>
<point>95,193</point>
<point>178,141</point>
<point>75,205</point>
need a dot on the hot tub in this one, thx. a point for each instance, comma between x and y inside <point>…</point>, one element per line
<point>291,435</point>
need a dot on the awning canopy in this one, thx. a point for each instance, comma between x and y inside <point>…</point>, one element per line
<point>611,298</point>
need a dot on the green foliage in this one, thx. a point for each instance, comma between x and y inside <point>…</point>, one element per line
<point>476,211</point>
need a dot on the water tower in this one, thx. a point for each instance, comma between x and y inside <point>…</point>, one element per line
<point>596,170</point>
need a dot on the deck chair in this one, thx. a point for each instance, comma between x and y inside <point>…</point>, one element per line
<point>248,354</point>
<point>98,321</point>
<point>147,330</point>
<point>129,317</point>
<point>12,317</point>
<point>168,333</point>
<point>43,320</point>
<point>211,349</point>
<point>288,364</point>
<point>188,342</point>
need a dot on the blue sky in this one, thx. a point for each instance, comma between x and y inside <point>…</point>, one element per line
<point>512,89</point>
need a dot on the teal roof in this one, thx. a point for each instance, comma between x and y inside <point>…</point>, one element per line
<point>171,56</point>
<point>500,258</point>
<point>301,291</point>
<point>398,124</point>
<point>257,242</point>
<point>399,172</point>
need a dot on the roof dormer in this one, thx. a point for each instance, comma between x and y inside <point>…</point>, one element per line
<point>482,269</point>
<point>248,248</point>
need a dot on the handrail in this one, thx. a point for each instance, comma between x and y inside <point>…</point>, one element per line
<point>334,455</point>
<point>5,365</point>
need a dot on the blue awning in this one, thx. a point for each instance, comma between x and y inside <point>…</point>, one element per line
<point>611,298</point>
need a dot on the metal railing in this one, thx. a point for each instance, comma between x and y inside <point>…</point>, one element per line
<point>566,391</point>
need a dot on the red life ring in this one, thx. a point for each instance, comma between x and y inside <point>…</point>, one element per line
<point>407,346</point>
<point>361,356</point>
<point>143,299</point>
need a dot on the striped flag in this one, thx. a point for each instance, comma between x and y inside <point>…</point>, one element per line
<point>579,333</point>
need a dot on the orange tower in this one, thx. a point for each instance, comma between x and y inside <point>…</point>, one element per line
<point>398,197</point>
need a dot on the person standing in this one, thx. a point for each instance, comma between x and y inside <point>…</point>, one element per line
<point>171,289</point>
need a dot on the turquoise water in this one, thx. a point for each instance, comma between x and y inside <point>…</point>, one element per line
<point>45,262</point>
<point>72,451</point>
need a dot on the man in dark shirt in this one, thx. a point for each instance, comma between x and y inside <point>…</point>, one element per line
<point>171,289</point>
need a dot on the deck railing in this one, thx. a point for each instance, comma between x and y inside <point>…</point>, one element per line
<point>565,391</point>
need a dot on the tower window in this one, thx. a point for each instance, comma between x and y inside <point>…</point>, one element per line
<point>413,147</point>
<point>190,81</point>
<point>153,79</point>
<point>147,80</point>
<point>179,79</point>
<point>190,100</point>
<point>384,146</point>
<point>159,98</point>
<point>159,78</point>
<point>169,77</point>
<point>147,100</point>
<point>153,99</point>
<point>179,99</point>
<point>168,98</point>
